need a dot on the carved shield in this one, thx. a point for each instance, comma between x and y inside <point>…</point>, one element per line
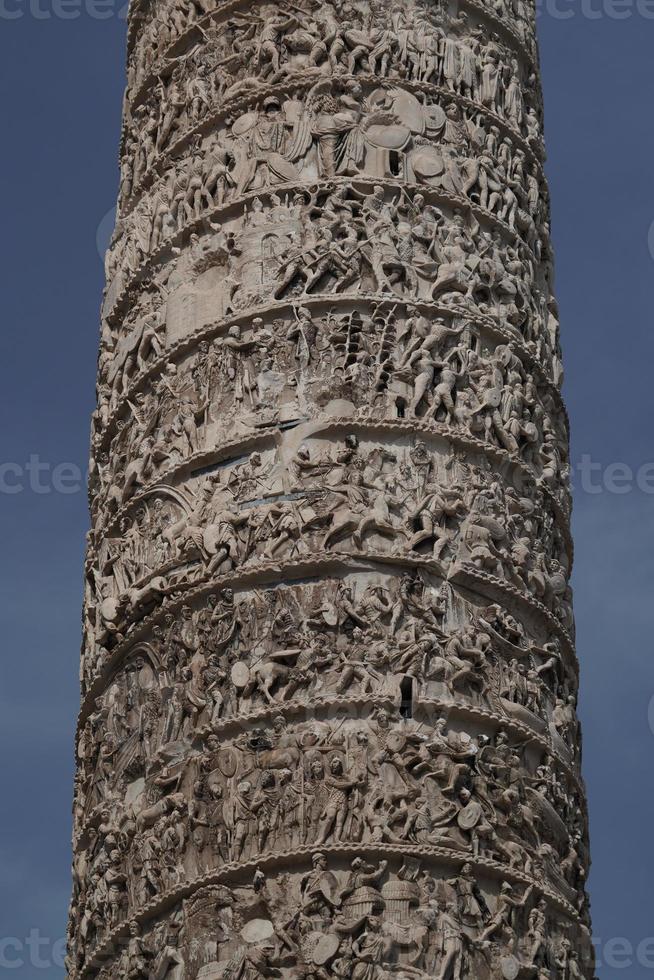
<point>240,675</point>
<point>510,967</point>
<point>388,137</point>
<point>325,949</point>
<point>427,163</point>
<point>395,742</point>
<point>257,931</point>
<point>329,887</point>
<point>227,762</point>
<point>403,106</point>
<point>409,111</point>
<point>245,123</point>
<point>470,816</point>
<point>330,615</point>
<point>435,117</point>
<point>109,609</point>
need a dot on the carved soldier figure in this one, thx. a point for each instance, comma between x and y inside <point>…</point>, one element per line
<point>451,936</point>
<point>472,906</point>
<point>339,788</point>
<point>502,918</point>
<point>431,513</point>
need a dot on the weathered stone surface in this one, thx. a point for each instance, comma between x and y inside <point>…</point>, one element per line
<point>328,720</point>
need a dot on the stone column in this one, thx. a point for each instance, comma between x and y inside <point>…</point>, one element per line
<point>328,719</point>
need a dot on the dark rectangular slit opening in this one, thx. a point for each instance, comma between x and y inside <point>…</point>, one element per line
<point>406,690</point>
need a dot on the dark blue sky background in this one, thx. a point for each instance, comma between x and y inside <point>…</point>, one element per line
<point>61,88</point>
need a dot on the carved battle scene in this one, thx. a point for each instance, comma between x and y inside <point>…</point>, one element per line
<point>328,724</point>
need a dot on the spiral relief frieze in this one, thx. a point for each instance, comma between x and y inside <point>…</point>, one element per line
<point>328,710</point>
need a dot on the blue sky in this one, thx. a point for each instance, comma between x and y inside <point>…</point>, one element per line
<point>61,85</point>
